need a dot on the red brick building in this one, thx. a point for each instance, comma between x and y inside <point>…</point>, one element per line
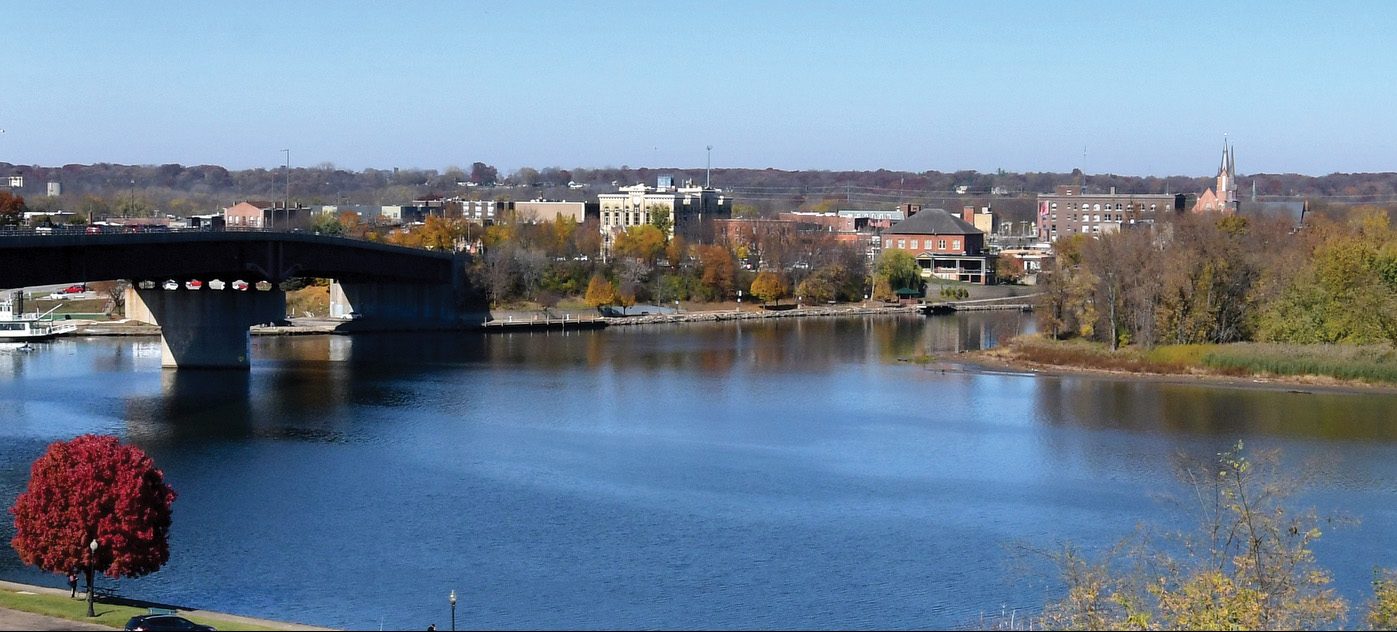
<point>946,246</point>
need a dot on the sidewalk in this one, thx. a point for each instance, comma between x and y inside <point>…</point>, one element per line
<point>11,619</point>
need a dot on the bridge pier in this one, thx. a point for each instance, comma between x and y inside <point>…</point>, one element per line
<point>205,329</point>
<point>406,305</point>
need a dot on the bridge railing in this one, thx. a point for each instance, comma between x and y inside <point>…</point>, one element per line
<point>126,229</point>
<point>129,229</point>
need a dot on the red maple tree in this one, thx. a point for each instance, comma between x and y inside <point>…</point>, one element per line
<point>93,487</point>
<point>12,208</point>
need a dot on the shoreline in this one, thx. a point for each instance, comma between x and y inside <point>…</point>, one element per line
<point>740,314</point>
<point>1000,360</point>
<point>312,327</point>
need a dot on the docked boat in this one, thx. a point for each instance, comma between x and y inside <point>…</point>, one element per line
<point>17,327</point>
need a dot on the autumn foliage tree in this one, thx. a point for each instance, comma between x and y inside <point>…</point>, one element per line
<point>719,271</point>
<point>1345,293</point>
<point>12,208</point>
<point>440,233</point>
<point>1248,565</point>
<point>768,286</point>
<point>94,488</point>
<point>645,242</point>
<point>600,292</point>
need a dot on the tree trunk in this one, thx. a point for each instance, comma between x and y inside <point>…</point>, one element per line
<point>90,613</point>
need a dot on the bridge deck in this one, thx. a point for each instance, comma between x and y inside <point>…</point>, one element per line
<point>36,258</point>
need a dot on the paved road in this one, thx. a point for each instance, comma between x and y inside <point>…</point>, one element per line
<point>16,620</point>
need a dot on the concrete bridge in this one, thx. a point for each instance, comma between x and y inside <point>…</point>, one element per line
<point>390,286</point>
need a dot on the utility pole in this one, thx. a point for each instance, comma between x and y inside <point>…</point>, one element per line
<point>286,206</point>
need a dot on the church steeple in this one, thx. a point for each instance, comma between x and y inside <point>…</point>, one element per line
<point>1227,176</point>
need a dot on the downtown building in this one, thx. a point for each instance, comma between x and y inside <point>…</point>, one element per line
<point>1072,210</point>
<point>691,209</point>
<point>945,246</point>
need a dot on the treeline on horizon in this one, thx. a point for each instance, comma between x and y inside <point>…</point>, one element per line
<point>106,188</point>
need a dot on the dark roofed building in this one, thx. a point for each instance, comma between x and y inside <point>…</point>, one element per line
<point>935,230</point>
<point>946,246</point>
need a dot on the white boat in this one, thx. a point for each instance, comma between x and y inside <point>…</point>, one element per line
<point>18,327</point>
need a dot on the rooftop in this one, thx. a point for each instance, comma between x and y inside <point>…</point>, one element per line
<point>934,221</point>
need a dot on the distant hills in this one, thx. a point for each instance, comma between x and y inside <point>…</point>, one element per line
<point>183,189</point>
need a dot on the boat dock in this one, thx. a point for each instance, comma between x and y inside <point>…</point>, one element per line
<point>1009,303</point>
<point>540,323</point>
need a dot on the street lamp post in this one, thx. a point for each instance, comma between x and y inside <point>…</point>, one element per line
<point>91,566</point>
<point>453,610</point>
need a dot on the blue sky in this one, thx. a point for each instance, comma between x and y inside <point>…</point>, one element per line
<point>1144,89</point>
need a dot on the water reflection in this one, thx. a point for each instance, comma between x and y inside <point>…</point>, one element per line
<point>813,345</point>
<point>192,405</point>
<point>1185,409</point>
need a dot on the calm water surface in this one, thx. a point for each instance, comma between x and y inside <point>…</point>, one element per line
<point>789,474</point>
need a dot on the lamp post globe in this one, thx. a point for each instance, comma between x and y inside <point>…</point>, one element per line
<point>453,610</point>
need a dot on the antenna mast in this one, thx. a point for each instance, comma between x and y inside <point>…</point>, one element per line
<point>708,173</point>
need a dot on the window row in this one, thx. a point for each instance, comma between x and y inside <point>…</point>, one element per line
<point>630,219</point>
<point>1107,207</point>
<point>916,244</point>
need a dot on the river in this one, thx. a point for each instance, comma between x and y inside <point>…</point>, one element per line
<point>788,473</point>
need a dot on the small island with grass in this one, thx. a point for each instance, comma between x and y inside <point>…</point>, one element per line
<point>1361,367</point>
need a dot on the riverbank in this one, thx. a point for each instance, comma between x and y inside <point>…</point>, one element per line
<point>750,313</point>
<point>1298,368</point>
<point>20,604</point>
<point>731,311</point>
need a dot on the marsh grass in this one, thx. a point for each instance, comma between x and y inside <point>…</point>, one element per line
<point>1367,363</point>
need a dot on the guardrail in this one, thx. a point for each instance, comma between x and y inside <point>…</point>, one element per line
<point>73,230</point>
<point>128,229</point>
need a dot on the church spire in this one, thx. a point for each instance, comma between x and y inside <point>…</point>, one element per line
<point>1226,167</point>
<point>1227,176</point>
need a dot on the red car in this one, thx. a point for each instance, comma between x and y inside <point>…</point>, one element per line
<point>74,289</point>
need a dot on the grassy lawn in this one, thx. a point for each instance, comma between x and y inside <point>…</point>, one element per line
<point>313,300</point>
<point>79,306</point>
<point>63,607</point>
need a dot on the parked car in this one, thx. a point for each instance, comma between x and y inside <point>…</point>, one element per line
<point>163,622</point>
<point>67,292</point>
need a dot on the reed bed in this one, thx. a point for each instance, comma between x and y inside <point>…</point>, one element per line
<point>1368,363</point>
